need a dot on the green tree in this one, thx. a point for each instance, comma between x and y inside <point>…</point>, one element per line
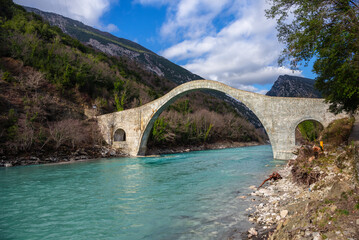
<point>159,130</point>
<point>327,30</point>
<point>310,130</point>
<point>120,86</point>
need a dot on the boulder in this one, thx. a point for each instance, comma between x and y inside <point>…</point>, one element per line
<point>283,213</point>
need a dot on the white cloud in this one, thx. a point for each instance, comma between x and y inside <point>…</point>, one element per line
<point>111,28</point>
<point>154,2</point>
<point>188,18</point>
<point>241,51</point>
<point>251,88</point>
<point>192,18</point>
<point>263,92</point>
<point>88,12</point>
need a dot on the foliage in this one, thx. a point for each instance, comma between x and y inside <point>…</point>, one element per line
<point>327,30</point>
<point>338,131</point>
<point>11,124</point>
<point>357,206</point>
<point>310,130</point>
<point>207,132</point>
<point>176,128</point>
<point>120,101</point>
<point>181,106</point>
<point>69,64</point>
<point>159,130</point>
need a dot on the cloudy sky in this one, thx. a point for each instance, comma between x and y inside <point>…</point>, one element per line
<point>230,41</point>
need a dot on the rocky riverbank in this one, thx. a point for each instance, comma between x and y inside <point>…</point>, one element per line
<point>328,208</point>
<point>62,155</point>
<point>65,154</point>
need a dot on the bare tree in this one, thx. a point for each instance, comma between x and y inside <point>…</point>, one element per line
<point>78,132</point>
<point>96,136</point>
<point>59,132</point>
<point>70,131</point>
<point>25,135</point>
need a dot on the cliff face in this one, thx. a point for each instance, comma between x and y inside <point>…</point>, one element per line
<point>293,86</point>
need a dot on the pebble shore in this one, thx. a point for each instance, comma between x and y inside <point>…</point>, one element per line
<point>274,197</point>
<point>283,205</point>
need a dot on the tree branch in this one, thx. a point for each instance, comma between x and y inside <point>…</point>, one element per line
<point>355,5</point>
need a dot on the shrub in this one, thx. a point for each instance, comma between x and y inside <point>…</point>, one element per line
<point>338,131</point>
<point>159,130</point>
<point>68,131</point>
<point>310,130</point>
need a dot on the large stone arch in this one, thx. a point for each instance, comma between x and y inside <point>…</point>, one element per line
<point>183,90</point>
<point>278,115</point>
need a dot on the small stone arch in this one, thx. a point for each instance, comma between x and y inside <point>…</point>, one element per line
<point>317,124</point>
<point>119,136</point>
<point>199,85</point>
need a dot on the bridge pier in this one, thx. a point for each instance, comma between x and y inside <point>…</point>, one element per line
<point>279,116</point>
<point>283,147</point>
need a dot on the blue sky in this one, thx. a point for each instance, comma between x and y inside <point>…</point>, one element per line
<point>230,41</point>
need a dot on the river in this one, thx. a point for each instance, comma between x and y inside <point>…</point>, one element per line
<point>178,196</point>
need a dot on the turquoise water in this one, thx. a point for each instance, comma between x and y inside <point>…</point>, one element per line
<point>178,196</point>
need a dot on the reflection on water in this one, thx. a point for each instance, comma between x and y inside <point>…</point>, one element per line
<point>178,196</point>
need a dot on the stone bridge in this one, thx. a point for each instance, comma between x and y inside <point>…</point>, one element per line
<point>129,130</point>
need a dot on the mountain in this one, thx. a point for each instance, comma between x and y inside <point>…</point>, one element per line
<point>293,86</point>
<point>114,46</point>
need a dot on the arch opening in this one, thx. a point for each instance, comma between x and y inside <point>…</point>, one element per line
<point>198,126</point>
<point>119,135</point>
<point>307,131</point>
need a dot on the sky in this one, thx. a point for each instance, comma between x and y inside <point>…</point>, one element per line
<point>230,41</point>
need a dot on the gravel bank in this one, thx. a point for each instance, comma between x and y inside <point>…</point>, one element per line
<point>326,209</point>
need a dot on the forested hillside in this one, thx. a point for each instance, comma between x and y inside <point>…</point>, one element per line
<point>49,79</point>
<point>115,46</point>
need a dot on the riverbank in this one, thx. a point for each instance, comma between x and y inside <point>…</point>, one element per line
<point>321,203</point>
<point>205,146</point>
<point>62,155</point>
<point>68,155</point>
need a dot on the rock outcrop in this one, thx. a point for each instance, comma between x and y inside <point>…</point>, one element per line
<point>293,86</point>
